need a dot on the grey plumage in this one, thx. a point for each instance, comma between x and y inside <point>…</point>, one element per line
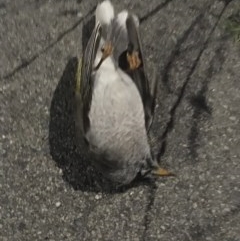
<point>116,104</point>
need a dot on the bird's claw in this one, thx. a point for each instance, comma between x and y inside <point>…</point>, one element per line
<point>162,172</point>
<point>133,60</point>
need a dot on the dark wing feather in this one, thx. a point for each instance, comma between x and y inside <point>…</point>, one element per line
<point>84,94</point>
<point>146,88</point>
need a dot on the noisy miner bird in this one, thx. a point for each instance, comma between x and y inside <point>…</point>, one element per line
<point>115,100</point>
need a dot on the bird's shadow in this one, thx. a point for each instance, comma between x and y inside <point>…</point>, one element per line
<point>66,148</point>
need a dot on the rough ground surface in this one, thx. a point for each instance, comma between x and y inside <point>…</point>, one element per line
<point>47,189</point>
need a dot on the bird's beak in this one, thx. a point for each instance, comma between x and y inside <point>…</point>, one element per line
<point>162,172</point>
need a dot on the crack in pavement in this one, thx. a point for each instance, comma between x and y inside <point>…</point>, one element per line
<point>152,190</point>
<point>147,218</point>
<point>175,53</point>
<point>17,9</point>
<point>27,62</point>
<point>44,50</point>
<point>199,102</point>
<point>154,11</point>
<point>200,106</point>
<point>182,92</point>
<point>169,127</point>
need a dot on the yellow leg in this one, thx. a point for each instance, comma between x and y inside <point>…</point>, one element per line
<point>133,60</point>
<point>162,172</point>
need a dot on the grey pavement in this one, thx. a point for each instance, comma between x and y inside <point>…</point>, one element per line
<point>49,190</point>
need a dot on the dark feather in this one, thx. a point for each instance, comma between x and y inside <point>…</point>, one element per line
<point>87,79</point>
<point>146,88</point>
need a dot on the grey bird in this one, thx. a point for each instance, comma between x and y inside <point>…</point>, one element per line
<point>115,100</point>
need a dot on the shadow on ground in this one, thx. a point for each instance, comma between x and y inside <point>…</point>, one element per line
<point>69,153</point>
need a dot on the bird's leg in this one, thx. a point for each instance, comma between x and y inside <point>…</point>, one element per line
<point>162,172</point>
<point>107,50</point>
<point>133,60</point>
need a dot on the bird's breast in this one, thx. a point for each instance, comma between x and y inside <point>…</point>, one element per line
<point>116,114</point>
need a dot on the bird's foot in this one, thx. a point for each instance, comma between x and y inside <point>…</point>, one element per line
<point>133,60</point>
<point>162,172</point>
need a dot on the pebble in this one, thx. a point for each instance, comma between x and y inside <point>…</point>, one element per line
<point>98,196</point>
<point>226,148</point>
<point>232,118</point>
<point>79,14</point>
<point>131,193</point>
<point>229,130</point>
<point>226,210</point>
<point>163,228</point>
<point>58,204</point>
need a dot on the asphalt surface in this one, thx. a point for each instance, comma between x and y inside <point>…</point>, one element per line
<point>48,190</point>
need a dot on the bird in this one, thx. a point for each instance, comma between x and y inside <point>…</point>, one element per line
<point>115,100</point>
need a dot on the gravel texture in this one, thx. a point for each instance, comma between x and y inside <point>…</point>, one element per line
<point>48,190</point>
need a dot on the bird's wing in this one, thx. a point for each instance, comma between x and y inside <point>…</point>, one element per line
<point>146,88</point>
<point>123,34</point>
<point>85,79</point>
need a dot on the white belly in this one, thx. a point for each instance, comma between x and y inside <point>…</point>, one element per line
<point>116,113</point>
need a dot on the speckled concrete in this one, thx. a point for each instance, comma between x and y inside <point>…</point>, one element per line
<point>48,190</point>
